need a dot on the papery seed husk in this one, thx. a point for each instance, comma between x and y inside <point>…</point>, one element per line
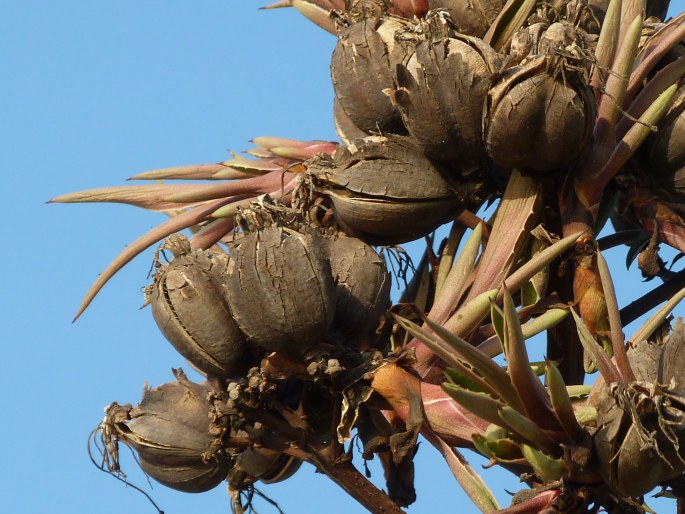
<point>537,121</point>
<point>362,284</point>
<point>441,95</point>
<point>472,17</point>
<point>280,289</point>
<point>191,311</point>
<point>169,430</point>
<point>362,68</point>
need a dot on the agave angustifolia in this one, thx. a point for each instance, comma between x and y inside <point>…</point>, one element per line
<point>566,109</point>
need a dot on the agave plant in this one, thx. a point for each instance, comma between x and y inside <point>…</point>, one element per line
<point>566,116</point>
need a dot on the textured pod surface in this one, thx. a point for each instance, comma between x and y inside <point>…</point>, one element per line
<point>363,286</point>
<point>537,121</point>
<point>472,17</point>
<point>280,289</point>
<point>441,95</point>
<point>385,190</point>
<point>362,67</point>
<point>191,311</point>
<point>640,425</point>
<point>169,430</point>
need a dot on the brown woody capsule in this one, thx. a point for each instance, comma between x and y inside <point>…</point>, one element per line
<point>362,68</point>
<point>363,287</point>
<point>640,438</point>
<point>280,289</point>
<point>538,121</point>
<point>441,95</point>
<point>385,190</point>
<point>472,17</point>
<point>169,430</point>
<point>191,311</point>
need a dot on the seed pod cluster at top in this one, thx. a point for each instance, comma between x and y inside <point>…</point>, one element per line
<point>462,103</point>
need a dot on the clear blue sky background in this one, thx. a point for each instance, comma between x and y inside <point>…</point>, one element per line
<point>90,94</point>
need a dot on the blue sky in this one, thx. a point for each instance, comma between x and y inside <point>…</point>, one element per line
<point>92,93</point>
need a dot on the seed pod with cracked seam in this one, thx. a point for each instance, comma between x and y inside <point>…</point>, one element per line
<point>280,288</point>
<point>362,69</point>
<point>538,121</point>
<point>384,190</point>
<point>191,311</point>
<point>170,431</point>
<point>441,93</point>
<point>472,17</point>
<point>363,286</point>
<point>640,439</point>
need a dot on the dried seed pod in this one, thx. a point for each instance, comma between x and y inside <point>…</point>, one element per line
<point>441,94</point>
<point>363,287</point>
<point>191,311</point>
<point>280,288</point>
<point>538,120</point>
<point>362,68</point>
<point>472,17</point>
<point>262,464</point>
<point>640,438</point>
<point>169,430</point>
<point>384,190</point>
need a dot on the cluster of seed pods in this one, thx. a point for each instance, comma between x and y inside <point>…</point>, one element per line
<point>276,290</point>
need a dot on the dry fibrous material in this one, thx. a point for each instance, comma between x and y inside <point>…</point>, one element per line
<point>170,431</point>
<point>441,93</point>
<point>191,311</point>
<point>362,285</point>
<point>362,69</point>
<point>280,288</point>
<point>641,424</point>
<point>384,190</point>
